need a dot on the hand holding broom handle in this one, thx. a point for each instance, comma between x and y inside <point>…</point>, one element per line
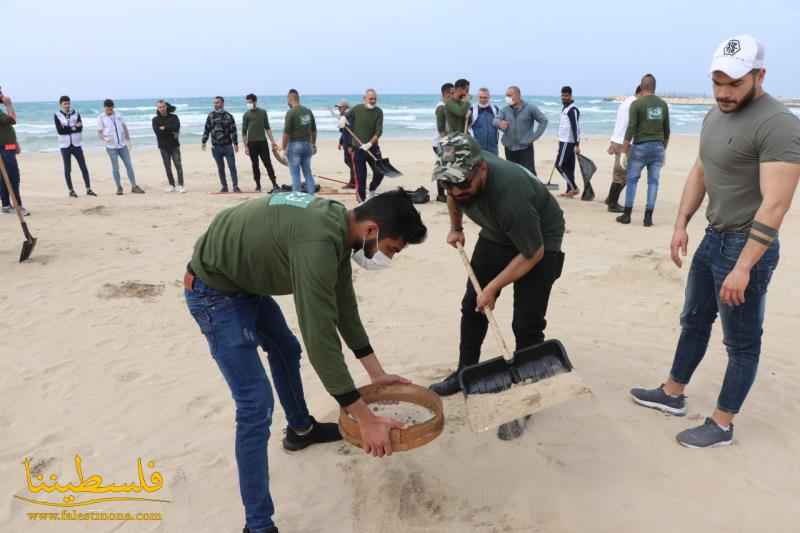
<point>488,312</point>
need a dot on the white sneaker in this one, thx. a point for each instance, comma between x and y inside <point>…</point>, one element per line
<point>371,194</point>
<point>169,189</point>
<point>180,189</point>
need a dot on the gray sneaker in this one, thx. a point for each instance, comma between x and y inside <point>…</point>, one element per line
<point>6,209</point>
<point>658,399</point>
<point>709,435</point>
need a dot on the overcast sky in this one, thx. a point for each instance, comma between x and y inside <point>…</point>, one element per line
<point>93,49</point>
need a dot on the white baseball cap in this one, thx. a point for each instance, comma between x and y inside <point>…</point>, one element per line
<point>737,56</point>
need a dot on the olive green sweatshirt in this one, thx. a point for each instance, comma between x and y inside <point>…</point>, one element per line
<point>7,134</point>
<point>255,123</point>
<point>366,122</point>
<point>457,113</point>
<point>292,243</point>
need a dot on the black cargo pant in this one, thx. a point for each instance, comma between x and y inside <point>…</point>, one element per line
<point>531,296</point>
<point>259,149</point>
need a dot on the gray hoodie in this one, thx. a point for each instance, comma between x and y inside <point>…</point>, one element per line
<point>520,133</point>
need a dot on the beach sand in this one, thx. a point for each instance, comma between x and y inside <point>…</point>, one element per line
<point>99,357</point>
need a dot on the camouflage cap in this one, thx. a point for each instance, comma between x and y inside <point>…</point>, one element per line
<point>457,155</point>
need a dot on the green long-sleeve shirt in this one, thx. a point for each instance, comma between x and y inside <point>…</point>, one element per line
<point>648,120</point>
<point>457,113</point>
<point>292,243</point>
<point>7,134</point>
<point>255,123</point>
<point>367,123</point>
<point>441,120</point>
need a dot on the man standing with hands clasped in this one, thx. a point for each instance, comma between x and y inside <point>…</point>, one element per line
<point>221,127</point>
<point>522,124</point>
<point>749,165</point>
<point>255,130</point>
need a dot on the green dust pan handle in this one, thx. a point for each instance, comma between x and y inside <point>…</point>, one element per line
<point>489,314</point>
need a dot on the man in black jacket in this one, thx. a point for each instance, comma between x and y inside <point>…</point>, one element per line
<point>166,126</point>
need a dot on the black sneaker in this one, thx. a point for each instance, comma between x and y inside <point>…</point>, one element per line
<point>658,399</point>
<point>321,432</point>
<point>223,190</point>
<point>448,386</point>
<point>237,189</point>
<point>272,529</point>
<point>72,194</point>
<point>90,192</point>
<point>120,192</point>
<point>441,198</point>
<point>258,188</point>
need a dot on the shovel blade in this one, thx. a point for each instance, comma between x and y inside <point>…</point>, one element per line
<point>387,169</point>
<point>27,249</point>
<point>498,391</point>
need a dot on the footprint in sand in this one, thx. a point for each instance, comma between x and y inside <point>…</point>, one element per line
<point>131,289</point>
<point>96,210</point>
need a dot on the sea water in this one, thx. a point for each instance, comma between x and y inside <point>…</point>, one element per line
<point>405,117</point>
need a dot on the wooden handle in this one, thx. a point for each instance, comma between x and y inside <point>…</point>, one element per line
<point>13,197</point>
<point>348,130</point>
<point>488,312</point>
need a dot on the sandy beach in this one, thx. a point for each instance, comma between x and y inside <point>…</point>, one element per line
<point>100,357</point>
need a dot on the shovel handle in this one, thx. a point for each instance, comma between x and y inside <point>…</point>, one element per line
<point>353,135</point>
<point>488,312</point>
<point>12,195</point>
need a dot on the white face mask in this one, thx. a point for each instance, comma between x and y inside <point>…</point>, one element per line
<point>378,261</point>
<point>251,105</point>
<point>509,100</point>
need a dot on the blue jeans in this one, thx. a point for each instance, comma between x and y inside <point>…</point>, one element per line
<point>115,154</point>
<point>299,155</point>
<point>12,168</point>
<point>741,324</point>
<point>234,326</point>
<point>650,155</point>
<point>222,153</point>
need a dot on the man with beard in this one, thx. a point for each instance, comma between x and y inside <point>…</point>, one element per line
<point>298,244</point>
<point>749,165</point>
<point>522,227</point>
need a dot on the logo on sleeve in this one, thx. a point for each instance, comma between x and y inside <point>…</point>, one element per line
<point>732,48</point>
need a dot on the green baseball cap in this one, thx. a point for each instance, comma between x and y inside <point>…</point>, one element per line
<point>457,155</point>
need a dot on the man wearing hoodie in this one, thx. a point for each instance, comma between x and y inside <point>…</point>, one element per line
<point>166,126</point>
<point>483,127</point>
<point>255,130</point>
<point>517,121</point>
<point>221,127</point>
<point>113,131</point>
<point>69,127</point>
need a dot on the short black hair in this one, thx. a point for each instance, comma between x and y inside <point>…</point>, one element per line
<point>63,99</point>
<point>566,89</point>
<point>395,215</point>
<point>461,83</point>
<point>219,98</point>
<point>293,92</point>
<point>251,97</point>
<point>638,90</point>
<point>447,87</point>
<point>108,102</point>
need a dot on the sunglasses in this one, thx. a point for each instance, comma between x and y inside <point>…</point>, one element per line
<point>461,186</point>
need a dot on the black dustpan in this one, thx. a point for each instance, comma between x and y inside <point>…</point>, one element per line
<point>588,168</point>
<point>530,365</point>
<point>386,167</point>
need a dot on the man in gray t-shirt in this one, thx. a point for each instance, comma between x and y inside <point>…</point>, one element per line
<point>749,165</point>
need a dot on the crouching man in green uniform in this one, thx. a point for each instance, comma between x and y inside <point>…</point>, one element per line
<point>292,243</point>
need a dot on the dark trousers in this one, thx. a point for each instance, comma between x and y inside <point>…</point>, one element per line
<point>348,160</point>
<point>259,149</point>
<point>741,325</point>
<point>169,157</point>
<point>439,187</point>
<point>565,164</point>
<point>360,161</point>
<point>531,296</point>
<point>12,168</point>
<point>522,157</point>
<point>66,155</point>
<point>221,154</point>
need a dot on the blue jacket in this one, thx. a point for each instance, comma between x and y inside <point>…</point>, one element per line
<point>483,127</point>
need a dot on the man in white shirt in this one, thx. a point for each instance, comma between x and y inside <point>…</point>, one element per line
<point>620,175</point>
<point>113,131</point>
